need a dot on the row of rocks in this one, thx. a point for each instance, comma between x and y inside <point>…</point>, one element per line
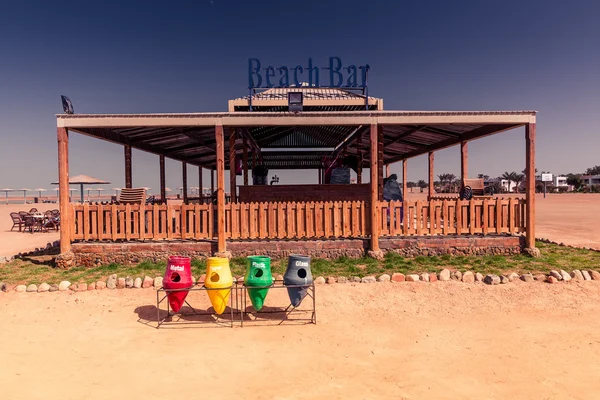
<point>114,282</point>
<point>562,244</point>
<point>469,277</point>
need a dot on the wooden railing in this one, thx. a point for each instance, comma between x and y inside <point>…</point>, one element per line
<point>135,222</point>
<point>452,217</point>
<point>291,220</point>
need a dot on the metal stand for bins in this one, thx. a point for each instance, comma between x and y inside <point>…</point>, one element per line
<point>160,321</point>
<point>289,310</point>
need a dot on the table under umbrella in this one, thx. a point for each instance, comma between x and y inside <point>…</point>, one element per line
<point>40,190</point>
<point>84,180</point>
<point>6,190</point>
<point>24,190</point>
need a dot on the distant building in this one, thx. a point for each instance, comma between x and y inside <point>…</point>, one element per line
<point>590,180</point>
<point>560,181</point>
<point>503,182</point>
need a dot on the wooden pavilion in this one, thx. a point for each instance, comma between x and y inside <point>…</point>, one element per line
<point>292,218</point>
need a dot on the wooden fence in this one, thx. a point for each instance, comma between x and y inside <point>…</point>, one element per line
<point>292,220</point>
<point>136,222</point>
<point>297,220</point>
<point>452,217</point>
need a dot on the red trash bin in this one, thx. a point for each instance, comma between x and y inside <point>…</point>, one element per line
<point>178,276</point>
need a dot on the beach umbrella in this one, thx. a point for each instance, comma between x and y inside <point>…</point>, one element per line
<point>99,190</point>
<point>24,190</point>
<point>116,191</point>
<point>40,190</point>
<point>6,190</point>
<point>88,190</point>
<point>84,180</point>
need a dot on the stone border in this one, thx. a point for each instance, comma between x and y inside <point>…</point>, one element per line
<point>562,244</point>
<point>114,282</point>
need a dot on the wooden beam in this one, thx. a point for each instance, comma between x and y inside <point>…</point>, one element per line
<point>232,175</point>
<point>184,179</point>
<point>374,220</point>
<point>477,133</point>
<point>200,183</point>
<point>128,181</point>
<point>64,193</point>
<point>431,191</point>
<point>249,119</point>
<point>404,183</point>
<point>439,131</point>
<point>405,134</point>
<point>530,182</point>
<point>163,192</point>
<point>245,161</point>
<point>349,140</point>
<point>251,141</point>
<point>359,151</point>
<point>219,138</point>
<point>464,161</point>
<point>380,160</point>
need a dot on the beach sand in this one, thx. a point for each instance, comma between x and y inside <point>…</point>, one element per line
<point>444,340</point>
<point>12,243</point>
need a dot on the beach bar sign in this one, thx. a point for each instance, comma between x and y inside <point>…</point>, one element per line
<point>334,75</point>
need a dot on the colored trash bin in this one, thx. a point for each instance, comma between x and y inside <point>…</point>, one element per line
<point>218,278</point>
<point>178,275</point>
<point>298,273</point>
<point>258,273</point>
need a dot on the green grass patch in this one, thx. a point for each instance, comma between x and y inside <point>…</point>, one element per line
<point>40,269</point>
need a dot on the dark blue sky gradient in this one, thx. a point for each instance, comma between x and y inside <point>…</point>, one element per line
<point>178,56</point>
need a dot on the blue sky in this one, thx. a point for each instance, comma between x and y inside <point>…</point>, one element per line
<point>125,57</point>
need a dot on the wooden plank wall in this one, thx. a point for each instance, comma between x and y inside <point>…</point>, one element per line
<point>452,217</point>
<point>146,222</point>
<point>297,220</point>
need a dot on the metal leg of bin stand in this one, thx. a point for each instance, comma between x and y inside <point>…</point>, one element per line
<point>160,321</point>
<point>313,296</point>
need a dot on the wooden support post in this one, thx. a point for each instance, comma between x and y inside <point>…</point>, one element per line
<point>464,162</point>
<point>431,191</point>
<point>212,181</point>
<point>245,161</point>
<point>374,188</point>
<point>200,183</point>
<point>128,181</point>
<point>360,160</point>
<point>387,170</point>
<point>404,183</point>
<point>163,193</point>
<point>184,179</point>
<point>530,182</point>
<point>64,192</point>
<point>380,160</point>
<point>220,141</point>
<point>232,175</point>
<point>254,163</point>
<point>320,175</point>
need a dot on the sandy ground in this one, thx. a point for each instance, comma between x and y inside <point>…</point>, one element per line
<point>14,242</point>
<point>381,341</point>
<point>570,218</point>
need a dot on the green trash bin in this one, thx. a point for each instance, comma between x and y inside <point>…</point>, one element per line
<point>258,273</point>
